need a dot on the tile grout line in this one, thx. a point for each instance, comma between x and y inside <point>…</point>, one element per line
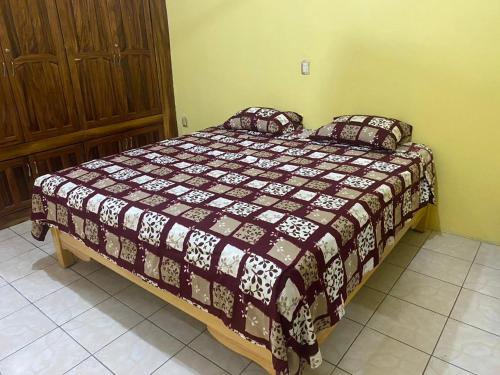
<point>181,349</point>
<point>374,311</point>
<point>93,354</point>
<point>108,298</point>
<point>449,315</point>
<point>448,255</point>
<point>78,364</point>
<point>31,273</point>
<point>57,326</point>
<point>246,368</point>
<point>55,291</point>
<point>200,354</point>
<point>32,303</point>
<point>187,345</point>
<point>131,328</point>
<point>365,325</point>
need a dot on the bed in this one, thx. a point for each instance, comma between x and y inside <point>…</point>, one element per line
<point>263,238</point>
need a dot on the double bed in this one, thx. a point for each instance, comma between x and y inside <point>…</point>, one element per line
<point>263,238</point>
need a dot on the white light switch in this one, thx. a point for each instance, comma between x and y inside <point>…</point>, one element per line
<point>305,67</point>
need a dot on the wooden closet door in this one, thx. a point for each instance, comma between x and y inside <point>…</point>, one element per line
<point>144,136</point>
<point>15,186</point>
<point>136,74</point>
<point>37,69</point>
<point>10,126</point>
<point>104,146</point>
<point>92,62</point>
<point>57,159</point>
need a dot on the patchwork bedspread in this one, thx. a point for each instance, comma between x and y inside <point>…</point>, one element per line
<point>270,234</point>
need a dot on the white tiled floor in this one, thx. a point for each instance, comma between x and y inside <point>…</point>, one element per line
<point>433,308</point>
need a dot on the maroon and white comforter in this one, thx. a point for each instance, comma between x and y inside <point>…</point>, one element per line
<point>270,234</point>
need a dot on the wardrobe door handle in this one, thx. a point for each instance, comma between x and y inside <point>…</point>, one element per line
<point>117,48</point>
<point>4,66</point>
<point>8,53</point>
<point>29,169</point>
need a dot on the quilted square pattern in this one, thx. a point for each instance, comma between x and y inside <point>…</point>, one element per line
<point>268,232</point>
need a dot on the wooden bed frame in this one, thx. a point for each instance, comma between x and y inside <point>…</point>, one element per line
<point>67,248</point>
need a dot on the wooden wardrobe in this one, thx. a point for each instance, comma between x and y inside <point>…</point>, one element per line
<point>79,80</point>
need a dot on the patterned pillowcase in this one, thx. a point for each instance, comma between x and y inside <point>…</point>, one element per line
<point>406,130</point>
<point>265,120</point>
<point>376,131</point>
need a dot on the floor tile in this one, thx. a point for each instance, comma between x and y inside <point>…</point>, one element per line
<point>10,300</point>
<point>86,268</point>
<point>488,255</point>
<point>484,280</point>
<point>188,362</point>
<point>49,249</point>
<point>102,324</point>
<point>2,281</point>
<point>415,238</point>
<point>108,280</point>
<point>22,228</point>
<point>41,283</point>
<point>54,353</point>
<point>339,371</point>
<point>48,240</point>
<point>72,300</point>
<point>452,245</point>
<point>90,366</point>
<point>439,367</point>
<point>176,322</point>
<point>339,340</point>
<point>140,300</point>
<point>6,233</point>
<point>385,277</point>
<point>224,357</point>
<point>375,354</point>
<point>25,264</point>
<point>425,291</point>
<point>413,325</point>
<point>440,266</point>
<point>478,310</point>
<point>325,369</point>
<point>139,351</point>
<point>402,254</point>
<point>362,307</point>
<point>21,328</point>
<point>13,247</point>
<point>469,348</point>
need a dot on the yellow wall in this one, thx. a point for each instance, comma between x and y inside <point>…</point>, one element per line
<point>434,64</point>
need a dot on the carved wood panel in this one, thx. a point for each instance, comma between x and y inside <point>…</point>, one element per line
<point>37,68</point>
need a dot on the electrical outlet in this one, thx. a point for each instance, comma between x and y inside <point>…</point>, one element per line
<point>184,121</point>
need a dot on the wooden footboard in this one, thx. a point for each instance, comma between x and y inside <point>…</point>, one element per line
<point>68,249</point>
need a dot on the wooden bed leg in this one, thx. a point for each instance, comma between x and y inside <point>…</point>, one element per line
<point>64,257</point>
<point>421,225</point>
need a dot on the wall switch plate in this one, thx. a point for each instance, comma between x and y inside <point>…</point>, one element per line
<point>184,121</point>
<point>305,67</point>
